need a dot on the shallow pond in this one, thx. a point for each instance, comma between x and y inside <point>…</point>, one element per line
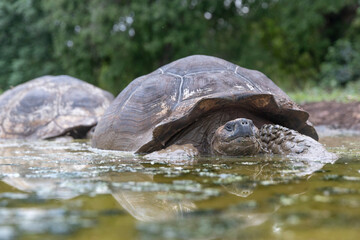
<point>68,190</point>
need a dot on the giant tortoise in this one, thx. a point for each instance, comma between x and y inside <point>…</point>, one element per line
<point>210,104</point>
<point>51,106</point>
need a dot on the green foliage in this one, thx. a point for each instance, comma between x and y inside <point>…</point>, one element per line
<point>312,93</point>
<point>25,43</point>
<point>111,42</point>
<point>342,61</point>
<point>298,34</point>
<point>342,64</point>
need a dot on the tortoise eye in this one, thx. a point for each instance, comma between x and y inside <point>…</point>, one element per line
<point>228,127</point>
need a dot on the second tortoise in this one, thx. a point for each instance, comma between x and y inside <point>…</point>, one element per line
<point>50,107</point>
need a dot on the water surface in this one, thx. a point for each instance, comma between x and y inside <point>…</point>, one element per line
<point>68,190</point>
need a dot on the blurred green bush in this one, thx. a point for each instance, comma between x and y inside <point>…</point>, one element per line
<point>342,61</point>
<point>342,64</point>
<point>111,42</point>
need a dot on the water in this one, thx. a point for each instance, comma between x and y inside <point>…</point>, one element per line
<point>68,190</point>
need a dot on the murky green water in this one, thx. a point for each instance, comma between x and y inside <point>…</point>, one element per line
<point>59,190</point>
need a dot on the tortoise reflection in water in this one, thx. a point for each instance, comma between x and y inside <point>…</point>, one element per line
<point>51,106</point>
<point>212,105</point>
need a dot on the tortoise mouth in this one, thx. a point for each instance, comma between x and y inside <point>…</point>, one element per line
<point>244,140</point>
<point>241,146</point>
<point>240,136</point>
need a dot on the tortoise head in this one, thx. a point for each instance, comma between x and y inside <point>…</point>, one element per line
<point>237,137</point>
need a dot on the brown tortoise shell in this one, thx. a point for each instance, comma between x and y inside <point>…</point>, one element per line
<point>155,109</point>
<point>50,106</point>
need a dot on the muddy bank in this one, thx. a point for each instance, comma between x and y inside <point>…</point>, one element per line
<point>335,116</point>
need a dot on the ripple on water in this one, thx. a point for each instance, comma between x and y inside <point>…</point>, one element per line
<point>54,188</point>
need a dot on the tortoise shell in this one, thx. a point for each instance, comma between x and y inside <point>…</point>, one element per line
<point>186,100</point>
<point>51,106</point>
